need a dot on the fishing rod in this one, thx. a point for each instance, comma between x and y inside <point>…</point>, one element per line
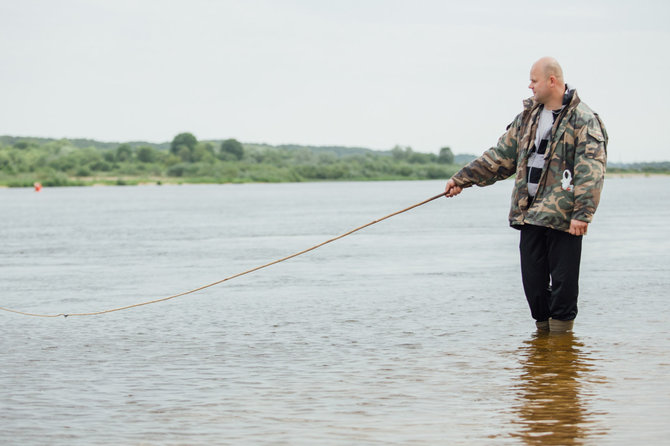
<point>234,276</point>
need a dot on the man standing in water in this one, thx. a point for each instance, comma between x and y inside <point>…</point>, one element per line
<point>557,147</point>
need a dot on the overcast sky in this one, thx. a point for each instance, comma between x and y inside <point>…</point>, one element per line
<point>367,73</point>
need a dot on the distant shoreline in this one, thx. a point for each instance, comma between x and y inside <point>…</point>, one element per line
<point>127,181</point>
<point>636,174</point>
<point>62,163</point>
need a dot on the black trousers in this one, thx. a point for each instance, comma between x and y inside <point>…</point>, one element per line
<point>550,272</point>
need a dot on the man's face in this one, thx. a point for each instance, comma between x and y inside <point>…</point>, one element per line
<point>539,85</point>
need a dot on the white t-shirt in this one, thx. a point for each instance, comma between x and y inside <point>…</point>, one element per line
<point>536,158</point>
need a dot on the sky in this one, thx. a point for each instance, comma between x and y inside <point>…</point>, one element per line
<point>365,73</point>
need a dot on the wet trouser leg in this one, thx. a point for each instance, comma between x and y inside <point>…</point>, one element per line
<point>550,272</point>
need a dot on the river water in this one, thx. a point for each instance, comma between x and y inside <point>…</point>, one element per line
<point>412,331</point>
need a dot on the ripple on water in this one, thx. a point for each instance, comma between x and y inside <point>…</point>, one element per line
<point>406,334</point>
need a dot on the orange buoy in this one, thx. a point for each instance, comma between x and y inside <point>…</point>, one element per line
<point>38,186</point>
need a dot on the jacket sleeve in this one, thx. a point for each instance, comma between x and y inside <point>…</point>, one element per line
<point>495,164</point>
<point>589,170</point>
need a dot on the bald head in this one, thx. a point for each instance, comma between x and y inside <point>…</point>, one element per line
<point>550,67</point>
<point>546,81</point>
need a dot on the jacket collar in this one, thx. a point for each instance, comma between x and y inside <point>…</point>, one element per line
<point>570,100</point>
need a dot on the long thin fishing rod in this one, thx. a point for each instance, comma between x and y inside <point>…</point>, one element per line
<point>233,276</point>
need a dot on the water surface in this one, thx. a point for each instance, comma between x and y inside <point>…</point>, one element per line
<point>413,331</point>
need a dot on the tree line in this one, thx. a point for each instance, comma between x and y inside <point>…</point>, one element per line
<point>24,161</point>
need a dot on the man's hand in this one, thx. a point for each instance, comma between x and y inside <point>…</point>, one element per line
<point>578,227</point>
<point>451,190</point>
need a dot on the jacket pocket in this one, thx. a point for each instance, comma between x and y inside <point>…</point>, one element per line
<point>595,144</point>
<point>553,209</point>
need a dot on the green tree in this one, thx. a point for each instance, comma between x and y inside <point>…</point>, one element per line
<point>183,139</point>
<point>421,158</point>
<point>399,153</point>
<point>203,152</point>
<point>22,145</point>
<point>183,146</point>
<point>6,163</point>
<point>185,154</point>
<point>446,156</point>
<point>147,154</point>
<point>124,153</point>
<point>232,148</point>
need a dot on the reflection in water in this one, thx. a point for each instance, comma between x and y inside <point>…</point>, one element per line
<point>553,408</point>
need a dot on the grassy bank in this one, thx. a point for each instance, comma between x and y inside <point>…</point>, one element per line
<point>56,163</point>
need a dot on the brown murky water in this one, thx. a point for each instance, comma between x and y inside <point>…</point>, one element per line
<point>553,406</point>
<point>412,332</point>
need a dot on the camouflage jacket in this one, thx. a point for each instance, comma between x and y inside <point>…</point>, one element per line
<point>573,173</point>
